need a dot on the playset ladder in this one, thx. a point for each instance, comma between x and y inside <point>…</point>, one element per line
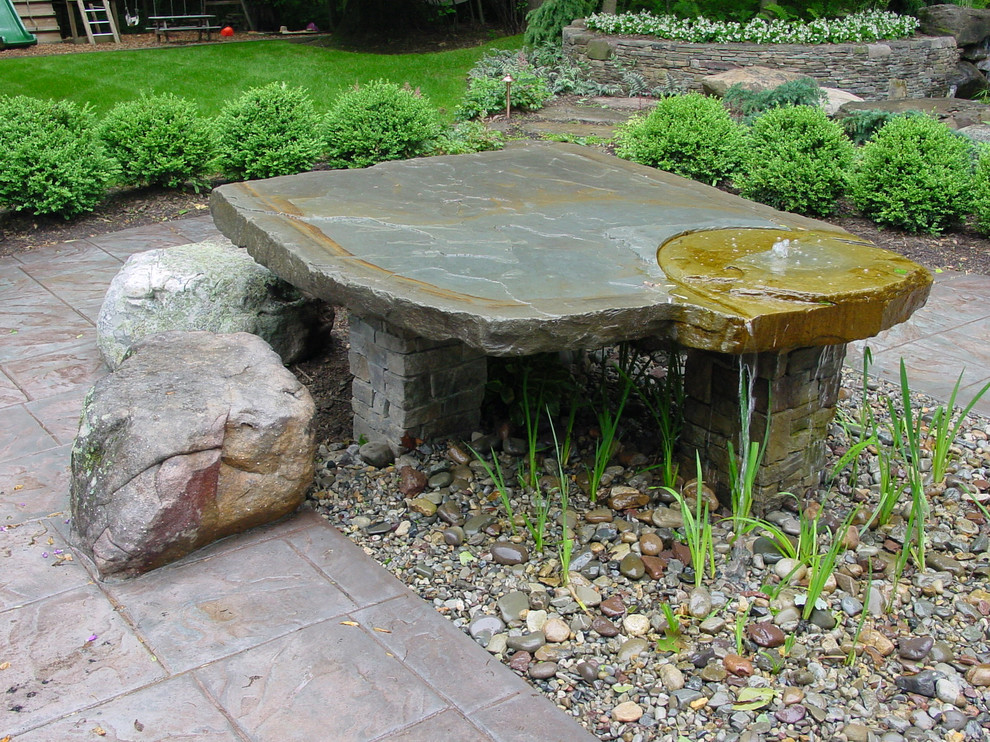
<point>95,16</point>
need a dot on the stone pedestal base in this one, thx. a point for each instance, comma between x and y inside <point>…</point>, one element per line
<point>406,386</point>
<point>798,389</point>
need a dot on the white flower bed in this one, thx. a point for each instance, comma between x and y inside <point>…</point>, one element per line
<point>855,28</point>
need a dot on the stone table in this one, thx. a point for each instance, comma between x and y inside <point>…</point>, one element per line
<point>540,247</point>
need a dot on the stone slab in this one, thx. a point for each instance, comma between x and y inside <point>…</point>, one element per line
<point>546,246</point>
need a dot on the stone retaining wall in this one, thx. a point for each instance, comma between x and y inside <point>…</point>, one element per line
<point>917,67</point>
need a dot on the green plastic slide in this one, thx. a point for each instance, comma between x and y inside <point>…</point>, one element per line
<point>12,31</point>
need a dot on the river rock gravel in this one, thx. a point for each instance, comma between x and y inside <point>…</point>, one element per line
<point>628,646</point>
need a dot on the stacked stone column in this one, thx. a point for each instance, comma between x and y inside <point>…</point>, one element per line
<point>406,386</point>
<point>794,392</point>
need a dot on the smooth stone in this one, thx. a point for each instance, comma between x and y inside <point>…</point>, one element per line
<point>850,606</point>
<point>497,644</point>
<point>947,690</point>
<point>791,714</point>
<point>485,624</point>
<point>713,625</point>
<point>380,528</point>
<point>543,670</point>
<point>514,446</point>
<point>587,671</point>
<point>979,675</point>
<point>914,648</point>
<point>453,536</point>
<point>527,642</point>
<point>539,600</point>
<point>671,678</point>
<point>941,651</point>
<point>477,524</point>
<point>856,732</point>
<point>511,605</point>
<point>440,480</point>
<point>627,712</point>
<point>954,720</point>
<point>790,569</point>
<point>650,544</point>
<point>765,634</point>
<point>604,627</point>
<point>613,607</point>
<point>699,602</point>
<point>654,567</point>
<point>822,619</point>
<point>631,648</point>
<point>377,454</point>
<point>508,553</point>
<point>664,517</point>
<point>587,595</point>
<point>791,695</point>
<point>877,640</point>
<point>599,515</point>
<point>636,624</point>
<point>942,563</point>
<point>739,666</point>
<point>580,622</point>
<point>535,620</point>
<point>632,566</point>
<point>458,455</point>
<point>556,630</point>
<point>450,512</point>
<point>714,672</point>
<point>622,497</point>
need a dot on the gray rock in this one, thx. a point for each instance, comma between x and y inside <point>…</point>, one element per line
<point>210,286</point>
<point>194,437</point>
<point>506,552</point>
<point>754,79</point>
<point>967,25</point>
<point>967,81</point>
<point>377,454</point>
<point>527,642</point>
<point>512,604</point>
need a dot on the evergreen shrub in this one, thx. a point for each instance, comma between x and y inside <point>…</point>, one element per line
<point>796,160</point>
<point>689,135</point>
<point>380,121</point>
<point>158,139</point>
<point>915,174</point>
<point>51,160</point>
<point>268,131</point>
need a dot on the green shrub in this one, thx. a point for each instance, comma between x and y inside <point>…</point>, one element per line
<point>467,137</point>
<point>377,122</point>
<point>750,103</point>
<point>981,190</point>
<point>545,24</point>
<point>486,95</point>
<point>158,139</point>
<point>268,131</point>
<point>796,160</point>
<point>915,174</point>
<point>51,160</point>
<point>689,135</point>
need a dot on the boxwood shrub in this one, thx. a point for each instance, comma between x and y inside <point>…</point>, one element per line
<point>377,122</point>
<point>51,160</point>
<point>689,135</point>
<point>158,139</point>
<point>915,174</point>
<point>268,131</point>
<point>796,160</point>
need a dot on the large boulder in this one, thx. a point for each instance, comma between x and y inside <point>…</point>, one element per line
<point>968,81</point>
<point>210,286</point>
<point>967,25</point>
<point>755,79</point>
<point>194,437</point>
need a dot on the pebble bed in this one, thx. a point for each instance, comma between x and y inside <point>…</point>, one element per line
<point>877,661</point>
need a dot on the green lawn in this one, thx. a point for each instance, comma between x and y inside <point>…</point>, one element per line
<point>211,74</point>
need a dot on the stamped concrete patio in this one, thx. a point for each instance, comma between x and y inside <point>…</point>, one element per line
<point>287,632</point>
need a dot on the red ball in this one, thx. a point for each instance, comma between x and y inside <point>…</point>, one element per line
<point>226,31</point>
